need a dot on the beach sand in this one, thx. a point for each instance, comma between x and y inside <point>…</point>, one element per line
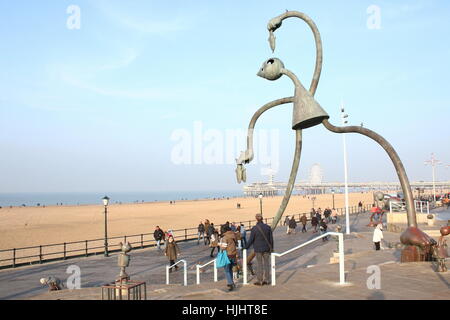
<point>31,226</point>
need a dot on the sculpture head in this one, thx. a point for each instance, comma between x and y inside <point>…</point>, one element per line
<point>271,69</point>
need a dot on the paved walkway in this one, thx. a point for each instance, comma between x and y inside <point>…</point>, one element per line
<point>307,271</point>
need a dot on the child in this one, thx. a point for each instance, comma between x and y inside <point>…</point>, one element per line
<point>172,251</point>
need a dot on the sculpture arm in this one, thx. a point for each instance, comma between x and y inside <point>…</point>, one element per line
<point>275,23</point>
<point>411,212</point>
<point>247,156</point>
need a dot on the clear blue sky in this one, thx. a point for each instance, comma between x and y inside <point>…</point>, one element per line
<point>94,109</point>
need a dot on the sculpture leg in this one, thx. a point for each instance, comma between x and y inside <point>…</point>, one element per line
<point>291,182</point>
<point>412,236</point>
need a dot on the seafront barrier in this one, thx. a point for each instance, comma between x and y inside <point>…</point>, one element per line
<point>17,257</point>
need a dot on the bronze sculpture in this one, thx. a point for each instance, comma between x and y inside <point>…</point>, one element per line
<point>123,261</point>
<point>307,112</point>
<point>440,252</point>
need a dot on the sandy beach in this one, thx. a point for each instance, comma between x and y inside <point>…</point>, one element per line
<point>30,226</point>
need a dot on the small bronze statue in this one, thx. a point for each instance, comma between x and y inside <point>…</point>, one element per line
<point>124,261</point>
<point>53,283</point>
<point>440,252</point>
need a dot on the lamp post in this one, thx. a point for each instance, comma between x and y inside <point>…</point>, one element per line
<point>344,121</point>
<point>313,199</point>
<point>260,202</point>
<point>332,191</point>
<point>433,162</point>
<point>105,204</point>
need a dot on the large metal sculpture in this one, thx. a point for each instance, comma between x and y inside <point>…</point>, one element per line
<point>307,112</point>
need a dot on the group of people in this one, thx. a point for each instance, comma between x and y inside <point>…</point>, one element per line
<point>319,221</point>
<point>230,238</point>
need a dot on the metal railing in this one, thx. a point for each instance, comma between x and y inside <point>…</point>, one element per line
<point>341,255</point>
<point>184,271</point>
<point>17,257</point>
<point>419,205</point>
<point>198,267</point>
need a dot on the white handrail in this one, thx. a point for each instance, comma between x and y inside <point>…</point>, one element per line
<point>420,204</point>
<point>184,269</point>
<point>341,255</point>
<point>201,266</point>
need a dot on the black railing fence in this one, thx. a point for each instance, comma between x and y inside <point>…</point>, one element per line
<point>11,258</point>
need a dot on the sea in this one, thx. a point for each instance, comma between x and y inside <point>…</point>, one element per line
<point>88,198</point>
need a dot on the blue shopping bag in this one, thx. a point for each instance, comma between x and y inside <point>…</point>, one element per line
<point>222,259</point>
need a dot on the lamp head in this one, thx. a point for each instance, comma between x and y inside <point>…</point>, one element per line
<point>105,200</point>
<point>271,69</point>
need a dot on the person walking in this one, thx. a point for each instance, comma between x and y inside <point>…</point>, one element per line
<point>209,232</point>
<point>334,215</point>
<point>261,238</point>
<point>201,233</point>
<point>304,221</point>
<point>292,225</point>
<point>360,206</point>
<point>243,235</point>
<point>228,243</point>
<point>224,227</point>
<point>314,223</point>
<point>378,236</point>
<point>214,243</point>
<point>286,223</point>
<point>172,251</point>
<point>323,229</point>
<point>159,236</point>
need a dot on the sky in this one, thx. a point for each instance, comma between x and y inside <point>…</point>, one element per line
<point>157,95</point>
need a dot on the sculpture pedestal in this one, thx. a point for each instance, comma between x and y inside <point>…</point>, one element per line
<point>125,290</point>
<point>415,254</point>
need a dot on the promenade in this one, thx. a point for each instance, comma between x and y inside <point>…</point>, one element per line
<point>303,274</point>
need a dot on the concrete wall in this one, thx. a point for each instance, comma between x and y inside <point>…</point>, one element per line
<point>400,217</point>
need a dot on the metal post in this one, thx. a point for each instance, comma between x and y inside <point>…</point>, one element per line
<point>428,207</point>
<point>40,254</point>
<point>14,257</point>
<point>421,206</point>
<point>185,273</point>
<point>86,245</point>
<point>142,240</point>
<point>272,264</point>
<point>341,259</point>
<point>215,270</point>
<point>244,266</point>
<point>347,218</point>
<point>106,232</point>
<point>64,251</point>
<point>260,205</point>
<point>185,234</point>
<point>198,274</point>
<point>167,275</point>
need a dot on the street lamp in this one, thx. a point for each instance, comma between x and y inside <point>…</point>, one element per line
<point>433,162</point>
<point>344,121</point>
<point>313,199</point>
<point>332,191</point>
<point>260,202</point>
<point>105,200</point>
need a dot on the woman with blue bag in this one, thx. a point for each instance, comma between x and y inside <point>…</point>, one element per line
<point>227,257</point>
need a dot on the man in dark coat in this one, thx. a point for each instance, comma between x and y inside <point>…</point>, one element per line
<point>159,236</point>
<point>261,239</point>
<point>292,225</point>
<point>201,233</point>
